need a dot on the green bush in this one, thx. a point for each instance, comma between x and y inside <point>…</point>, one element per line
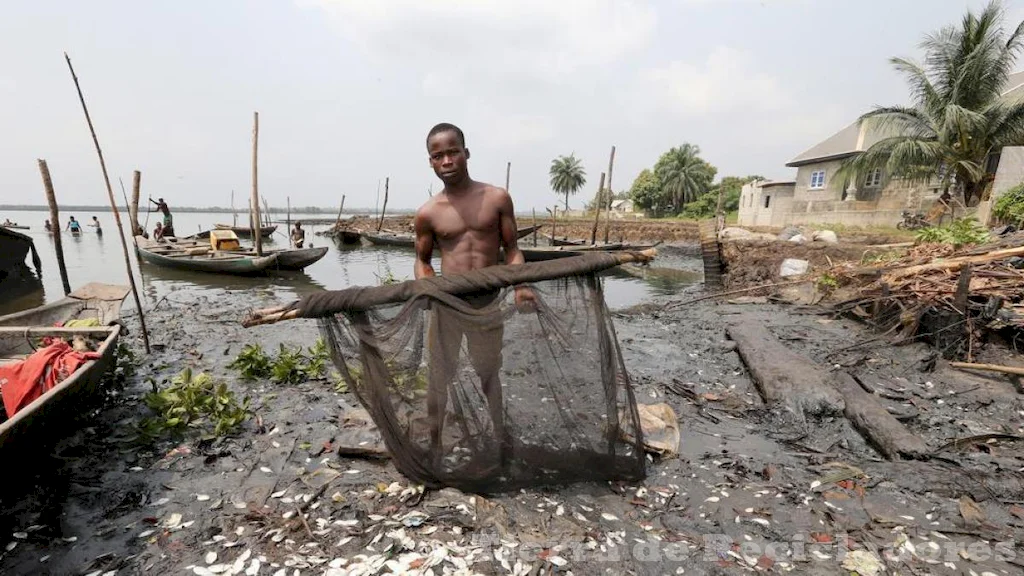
<point>960,232</point>
<point>194,402</point>
<point>1009,208</point>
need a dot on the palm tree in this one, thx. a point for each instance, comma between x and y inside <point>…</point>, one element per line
<point>567,176</point>
<point>683,174</point>
<point>959,116</point>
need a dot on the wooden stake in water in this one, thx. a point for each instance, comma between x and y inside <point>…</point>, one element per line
<point>113,206</point>
<point>133,208</point>
<point>340,208</point>
<point>598,202</point>
<point>384,208</point>
<point>254,203</point>
<point>508,174</point>
<point>51,199</point>
<point>288,220</point>
<point>534,227</point>
<point>608,213</point>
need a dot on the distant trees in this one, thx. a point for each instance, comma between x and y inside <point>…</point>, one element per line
<point>567,176</point>
<point>683,174</point>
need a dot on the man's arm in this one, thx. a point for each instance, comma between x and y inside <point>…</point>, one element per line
<point>424,246</point>
<point>509,230</point>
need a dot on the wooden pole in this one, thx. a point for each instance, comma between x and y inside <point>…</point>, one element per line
<point>508,173</point>
<point>534,227</point>
<point>266,216</point>
<point>133,210</point>
<point>554,217</point>
<point>254,202</point>
<point>128,206</point>
<point>113,207</point>
<point>608,213</point>
<point>598,202</point>
<point>51,199</point>
<point>384,208</point>
<point>288,220</point>
<point>234,215</point>
<point>340,208</point>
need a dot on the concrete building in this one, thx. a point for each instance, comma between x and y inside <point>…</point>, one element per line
<point>818,196</point>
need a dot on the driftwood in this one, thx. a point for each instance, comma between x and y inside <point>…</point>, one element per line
<point>988,368</point>
<point>782,376</point>
<point>876,424</point>
<point>954,264</point>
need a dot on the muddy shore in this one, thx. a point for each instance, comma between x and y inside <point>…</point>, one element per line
<point>751,489</point>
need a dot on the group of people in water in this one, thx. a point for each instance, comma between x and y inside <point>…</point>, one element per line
<point>75,227</point>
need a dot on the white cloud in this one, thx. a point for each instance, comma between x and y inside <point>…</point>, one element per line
<point>726,81</point>
<point>493,39</point>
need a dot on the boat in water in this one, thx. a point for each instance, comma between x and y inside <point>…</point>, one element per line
<point>89,317</point>
<point>191,255</point>
<point>246,231</point>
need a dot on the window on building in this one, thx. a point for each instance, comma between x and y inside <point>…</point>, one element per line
<point>873,179</point>
<point>767,200</point>
<point>817,179</point>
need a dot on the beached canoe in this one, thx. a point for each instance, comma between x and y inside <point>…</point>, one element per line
<point>245,231</point>
<point>551,252</point>
<point>409,240</point>
<point>46,417</point>
<point>190,255</point>
<point>14,227</point>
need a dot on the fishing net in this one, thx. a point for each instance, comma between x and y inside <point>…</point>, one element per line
<point>471,391</point>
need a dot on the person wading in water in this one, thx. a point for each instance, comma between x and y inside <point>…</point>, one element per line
<point>468,221</point>
<point>298,235</point>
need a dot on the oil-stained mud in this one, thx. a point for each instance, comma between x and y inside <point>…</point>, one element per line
<point>750,490</point>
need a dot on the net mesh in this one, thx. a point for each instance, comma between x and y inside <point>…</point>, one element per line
<point>469,391</point>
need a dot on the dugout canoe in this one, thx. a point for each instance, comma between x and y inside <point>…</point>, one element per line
<point>14,227</point>
<point>46,417</point>
<point>246,231</point>
<point>297,258</point>
<point>201,258</point>
<point>409,240</point>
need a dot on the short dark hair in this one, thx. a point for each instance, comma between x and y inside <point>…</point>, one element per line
<point>446,127</point>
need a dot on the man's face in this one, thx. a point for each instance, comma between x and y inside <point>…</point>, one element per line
<point>448,157</point>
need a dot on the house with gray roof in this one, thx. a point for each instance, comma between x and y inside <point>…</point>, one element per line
<point>818,196</point>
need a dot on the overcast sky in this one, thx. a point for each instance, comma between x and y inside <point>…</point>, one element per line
<point>347,89</point>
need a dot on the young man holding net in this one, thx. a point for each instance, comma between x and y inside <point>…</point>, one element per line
<point>468,222</point>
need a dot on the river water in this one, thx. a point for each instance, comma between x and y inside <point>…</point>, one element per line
<point>90,257</point>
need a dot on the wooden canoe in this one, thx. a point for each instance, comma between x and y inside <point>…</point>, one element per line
<point>189,255</point>
<point>245,231</point>
<point>45,419</point>
<point>14,227</point>
<point>409,240</point>
<point>297,258</point>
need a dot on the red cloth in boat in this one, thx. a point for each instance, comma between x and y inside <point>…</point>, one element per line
<point>22,382</point>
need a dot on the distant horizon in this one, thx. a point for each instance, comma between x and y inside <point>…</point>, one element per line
<point>200,209</point>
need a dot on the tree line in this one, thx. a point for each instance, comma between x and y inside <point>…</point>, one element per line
<point>681,183</point>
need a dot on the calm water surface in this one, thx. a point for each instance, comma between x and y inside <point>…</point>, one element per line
<point>99,258</point>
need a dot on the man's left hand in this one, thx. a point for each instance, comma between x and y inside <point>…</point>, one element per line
<point>526,299</point>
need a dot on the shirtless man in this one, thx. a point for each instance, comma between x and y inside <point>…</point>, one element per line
<point>468,221</point>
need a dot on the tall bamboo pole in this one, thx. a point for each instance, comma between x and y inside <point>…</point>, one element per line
<point>608,213</point>
<point>254,203</point>
<point>51,199</point>
<point>113,206</point>
<point>384,208</point>
<point>508,173</point>
<point>598,202</point>
<point>340,208</point>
